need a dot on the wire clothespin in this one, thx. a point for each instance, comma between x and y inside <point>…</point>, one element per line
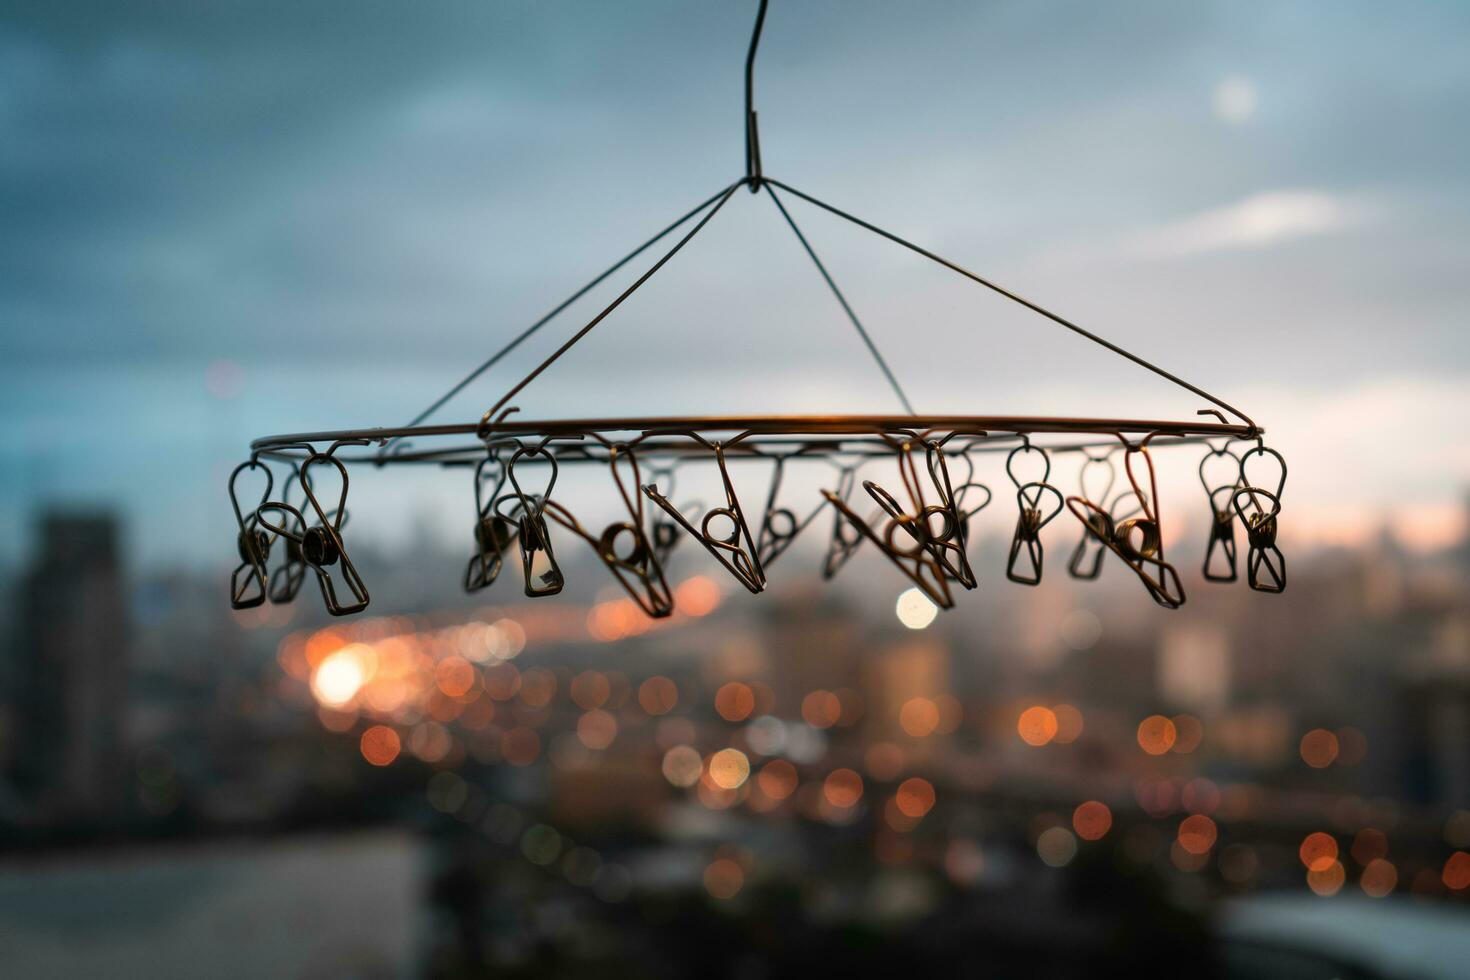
<point>845,537</point>
<point>320,544</point>
<point>539,568</point>
<point>252,543</point>
<point>1265,564</point>
<point>1219,564</point>
<point>935,528</point>
<point>780,525</point>
<point>623,546</point>
<point>1097,525</point>
<point>735,548</point>
<point>1137,541</point>
<point>911,539</point>
<point>493,533</point>
<point>1038,503</point>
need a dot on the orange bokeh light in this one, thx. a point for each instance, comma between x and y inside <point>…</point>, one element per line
<point>1319,748</point>
<point>1037,725</point>
<point>1197,833</point>
<point>735,701</point>
<point>380,745</point>
<point>777,779</point>
<point>1156,734</point>
<point>1318,851</point>
<point>697,596</point>
<point>1092,820</point>
<point>1328,879</point>
<point>919,717</point>
<point>821,709</point>
<point>658,695</point>
<point>455,676</point>
<point>915,797</point>
<point>842,788</point>
<point>728,768</point>
<point>1456,874</point>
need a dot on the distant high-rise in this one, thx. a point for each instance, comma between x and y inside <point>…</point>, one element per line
<point>68,689</point>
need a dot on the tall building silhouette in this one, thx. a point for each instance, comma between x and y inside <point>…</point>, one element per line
<point>68,689</point>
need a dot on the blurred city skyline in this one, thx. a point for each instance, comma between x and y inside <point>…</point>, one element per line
<point>224,222</point>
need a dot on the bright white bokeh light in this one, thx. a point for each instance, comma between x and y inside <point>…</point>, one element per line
<point>915,610</point>
<point>338,678</point>
<point>1235,100</point>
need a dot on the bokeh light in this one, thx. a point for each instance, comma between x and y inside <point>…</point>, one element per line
<point>915,610</point>
<point>1318,748</point>
<point>843,788</point>
<point>915,797</point>
<point>734,701</point>
<point>1037,725</point>
<point>729,768</point>
<point>1056,847</point>
<point>1197,834</point>
<point>380,745</point>
<point>1317,851</point>
<point>683,765</point>
<point>1092,820</point>
<point>1379,878</point>
<point>1156,734</point>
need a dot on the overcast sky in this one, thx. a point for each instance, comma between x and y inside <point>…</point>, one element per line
<point>220,219</point>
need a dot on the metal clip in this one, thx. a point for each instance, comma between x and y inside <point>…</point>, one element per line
<point>845,537</point>
<point>252,543</point>
<point>915,561</point>
<point>539,568</point>
<point>320,545</point>
<point>1097,526</point>
<point>1260,526</point>
<point>740,559</point>
<point>1137,540</point>
<point>1034,514</point>
<point>663,533</point>
<point>636,568</point>
<point>779,525</point>
<point>1222,519</point>
<point>945,540</point>
<point>493,533</point>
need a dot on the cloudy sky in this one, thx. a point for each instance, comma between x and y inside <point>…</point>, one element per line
<point>220,220</point>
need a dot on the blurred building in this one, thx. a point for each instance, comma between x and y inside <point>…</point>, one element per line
<point>67,688</point>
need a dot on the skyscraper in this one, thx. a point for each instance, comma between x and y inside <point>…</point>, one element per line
<point>68,689</point>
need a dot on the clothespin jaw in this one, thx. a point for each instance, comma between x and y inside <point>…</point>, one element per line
<point>734,547</point>
<point>1097,520</point>
<point>248,583</point>
<point>319,543</point>
<point>1037,503</point>
<point>1219,564</point>
<point>909,552</point>
<point>1265,564</point>
<point>539,569</point>
<point>845,538</point>
<point>1137,541</point>
<point>493,533</point>
<point>780,525</point>
<point>623,546</point>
